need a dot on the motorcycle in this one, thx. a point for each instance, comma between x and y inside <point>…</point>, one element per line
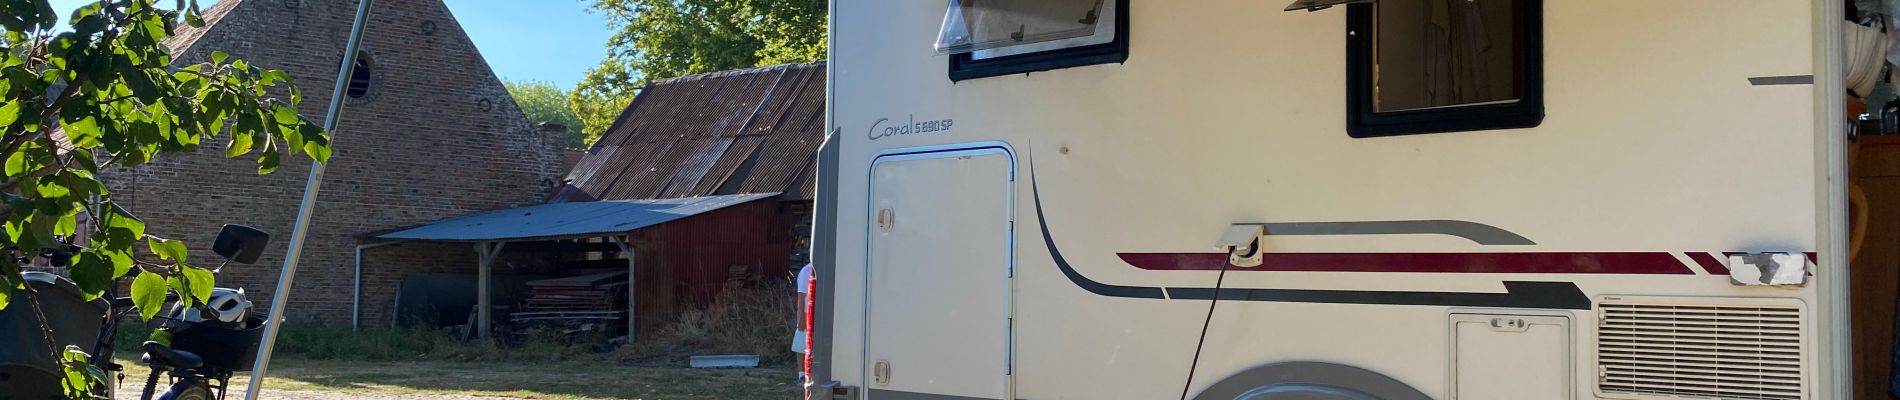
<point>200,346</point>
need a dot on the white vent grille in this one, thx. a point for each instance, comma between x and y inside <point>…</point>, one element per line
<point>1701,348</point>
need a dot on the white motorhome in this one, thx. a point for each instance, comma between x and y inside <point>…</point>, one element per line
<point>1393,200</point>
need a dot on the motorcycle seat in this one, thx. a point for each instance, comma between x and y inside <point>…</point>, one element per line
<point>180,359</point>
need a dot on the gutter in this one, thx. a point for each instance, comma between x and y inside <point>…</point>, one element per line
<point>356,298</point>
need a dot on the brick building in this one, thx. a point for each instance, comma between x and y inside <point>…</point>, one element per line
<point>428,132</point>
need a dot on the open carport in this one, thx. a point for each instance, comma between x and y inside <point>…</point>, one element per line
<point>606,227</point>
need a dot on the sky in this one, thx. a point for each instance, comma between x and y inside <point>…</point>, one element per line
<point>552,40</point>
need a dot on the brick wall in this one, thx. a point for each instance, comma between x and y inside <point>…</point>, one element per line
<point>437,136</point>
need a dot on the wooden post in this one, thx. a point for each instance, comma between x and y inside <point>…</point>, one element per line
<point>484,299</point>
<point>626,249</point>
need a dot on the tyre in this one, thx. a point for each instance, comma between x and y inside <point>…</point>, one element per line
<point>188,389</point>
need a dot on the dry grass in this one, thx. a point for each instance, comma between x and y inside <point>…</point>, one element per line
<point>742,320</point>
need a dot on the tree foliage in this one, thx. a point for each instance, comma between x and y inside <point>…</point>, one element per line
<point>100,92</point>
<point>544,102</point>
<point>659,39</point>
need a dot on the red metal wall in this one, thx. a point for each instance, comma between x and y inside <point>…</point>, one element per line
<point>701,250</point>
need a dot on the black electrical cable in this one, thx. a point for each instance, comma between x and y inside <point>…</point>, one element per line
<point>1219,282</point>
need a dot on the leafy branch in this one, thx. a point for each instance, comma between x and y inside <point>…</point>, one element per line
<point>103,91</point>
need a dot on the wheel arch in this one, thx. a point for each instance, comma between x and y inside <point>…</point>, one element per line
<point>1310,380</point>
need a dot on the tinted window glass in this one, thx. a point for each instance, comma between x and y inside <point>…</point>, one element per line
<point>1443,53</point>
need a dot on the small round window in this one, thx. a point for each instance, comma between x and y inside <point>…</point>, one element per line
<point>361,76</point>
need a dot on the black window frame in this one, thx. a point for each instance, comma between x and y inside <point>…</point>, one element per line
<point>1364,121</point>
<point>965,66</point>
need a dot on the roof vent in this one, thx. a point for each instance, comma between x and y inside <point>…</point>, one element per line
<point>1701,348</point>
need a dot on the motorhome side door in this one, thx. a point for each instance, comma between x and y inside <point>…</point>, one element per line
<point>938,301</point>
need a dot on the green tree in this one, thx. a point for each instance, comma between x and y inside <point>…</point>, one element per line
<point>99,92</point>
<point>660,39</point>
<point>545,102</point>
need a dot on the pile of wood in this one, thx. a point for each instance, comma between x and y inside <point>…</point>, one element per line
<point>597,292</point>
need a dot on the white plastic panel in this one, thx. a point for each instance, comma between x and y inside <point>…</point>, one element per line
<point>1510,357</point>
<point>939,281</point>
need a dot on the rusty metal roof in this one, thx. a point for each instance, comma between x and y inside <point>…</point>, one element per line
<point>734,132</point>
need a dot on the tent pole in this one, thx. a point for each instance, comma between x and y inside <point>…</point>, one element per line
<point>301,231</point>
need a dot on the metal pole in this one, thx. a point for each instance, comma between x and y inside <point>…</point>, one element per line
<point>356,297</point>
<point>301,231</point>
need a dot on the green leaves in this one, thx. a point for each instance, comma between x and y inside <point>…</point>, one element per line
<point>119,230</point>
<point>95,270</point>
<point>116,97</point>
<point>9,113</point>
<point>148,294</point>
<point>166,248</point>
<point>25,15</point>
<point>545,102</point>
<point>240,145</point>
<point>193,17</point>
<point>192,281</point>
<point>81,380</point>
<point>6,286</point>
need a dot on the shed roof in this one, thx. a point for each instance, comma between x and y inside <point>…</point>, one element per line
<point>743,131</point>
<point>567,220</point>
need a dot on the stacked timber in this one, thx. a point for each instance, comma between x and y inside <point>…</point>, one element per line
<point>597,296</point>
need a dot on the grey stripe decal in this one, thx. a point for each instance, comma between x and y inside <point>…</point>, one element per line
<point>1782,80</point>
<point>878,394</point>
<point>1475,232</point>
<point>1538,295</point>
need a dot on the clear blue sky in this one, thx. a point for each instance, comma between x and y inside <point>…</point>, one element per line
<point>551,40</point>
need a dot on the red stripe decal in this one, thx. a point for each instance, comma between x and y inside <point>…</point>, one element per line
<point>1708,262</point>
<point>1477,263</point>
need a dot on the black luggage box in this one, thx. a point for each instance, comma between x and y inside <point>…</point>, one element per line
<point>222,348</point>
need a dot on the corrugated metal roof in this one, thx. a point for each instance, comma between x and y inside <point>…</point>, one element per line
<point>568,220</point>
<point>734,132</point>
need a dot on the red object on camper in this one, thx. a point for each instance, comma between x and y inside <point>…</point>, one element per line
<point>811,306</point>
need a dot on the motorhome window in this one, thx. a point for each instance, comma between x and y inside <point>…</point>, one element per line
<point>1002,37</point>
<point>1099,34</point>
<point>973,25</point>
<point>1425,66</point>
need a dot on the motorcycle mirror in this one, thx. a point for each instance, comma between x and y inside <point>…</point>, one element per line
<point>240,244</point>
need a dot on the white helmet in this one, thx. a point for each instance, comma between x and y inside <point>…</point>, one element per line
<point>225,305</point>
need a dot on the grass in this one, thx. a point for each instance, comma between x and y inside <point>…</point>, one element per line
<point>422,361</point>
<point>562,380</point>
